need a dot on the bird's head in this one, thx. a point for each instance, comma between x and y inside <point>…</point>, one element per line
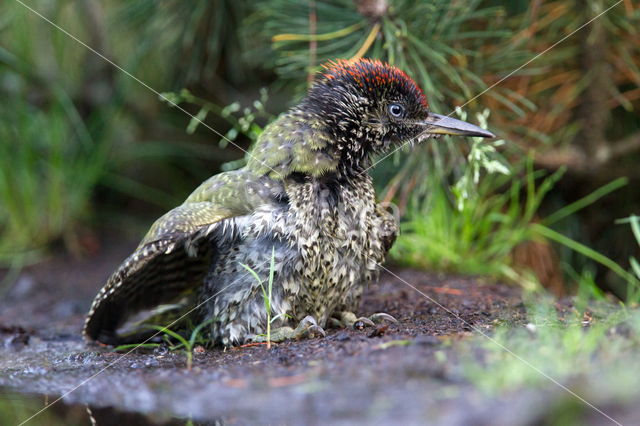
<point>369,107</point>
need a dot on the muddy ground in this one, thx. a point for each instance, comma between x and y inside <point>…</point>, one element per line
<point>388,375</point>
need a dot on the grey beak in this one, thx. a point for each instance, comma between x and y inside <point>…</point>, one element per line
<point>442,125</point>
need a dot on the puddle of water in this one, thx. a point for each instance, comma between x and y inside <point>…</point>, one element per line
<point>15,408</point>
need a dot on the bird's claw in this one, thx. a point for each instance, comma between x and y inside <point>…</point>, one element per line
<point>306,327</point>
<point>363,322</point>
<point>348,319</point>
<point>316,330</point>
<point>382,316</point>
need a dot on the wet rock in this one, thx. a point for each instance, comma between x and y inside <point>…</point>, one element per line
<point>23,287</point>
<point>378,331</point>
<point>14,338</point>
<point>342,336</point>
<point>152,362</point>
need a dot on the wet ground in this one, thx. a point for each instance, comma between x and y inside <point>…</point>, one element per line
<point>405,373</point>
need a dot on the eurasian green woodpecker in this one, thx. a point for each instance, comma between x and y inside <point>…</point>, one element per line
<point>304,198</point>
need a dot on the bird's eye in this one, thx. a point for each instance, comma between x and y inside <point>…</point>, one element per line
<point>396,110</point>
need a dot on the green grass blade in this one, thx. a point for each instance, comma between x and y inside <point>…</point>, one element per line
<point>173,334</point>
<point>123,348</point>
<point>197,329</point>
<point>272,268</point>
<point>635,226</point>
<point>585,251</point>
<point>585,201</point>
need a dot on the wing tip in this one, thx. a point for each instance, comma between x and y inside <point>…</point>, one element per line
<point>102,322</point>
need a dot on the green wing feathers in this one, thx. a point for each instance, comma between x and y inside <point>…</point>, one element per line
<point>293,143</point>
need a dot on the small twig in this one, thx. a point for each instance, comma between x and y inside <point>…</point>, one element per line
<point>447,290</point>
<point>368,42</point>
<point>624,146</point>
<point>577,160</point>
<point>317,37</point>
<point>628,7</point>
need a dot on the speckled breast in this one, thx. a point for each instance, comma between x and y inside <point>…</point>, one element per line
<point>338,241</point>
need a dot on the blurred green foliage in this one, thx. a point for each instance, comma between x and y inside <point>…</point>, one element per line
<point>53,149</point>
<point>49,166</point>
<point>81,140</point>
<point>71,123</point>
<point>591,351</point>
<point>478,236</point>
<point>15,408</point>
<point>199,41</point>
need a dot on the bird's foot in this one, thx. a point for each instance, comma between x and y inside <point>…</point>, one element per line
<point>307,327</point>
<point>346,319</point>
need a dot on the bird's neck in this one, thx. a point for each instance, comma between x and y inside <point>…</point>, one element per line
<point>302,142</point>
